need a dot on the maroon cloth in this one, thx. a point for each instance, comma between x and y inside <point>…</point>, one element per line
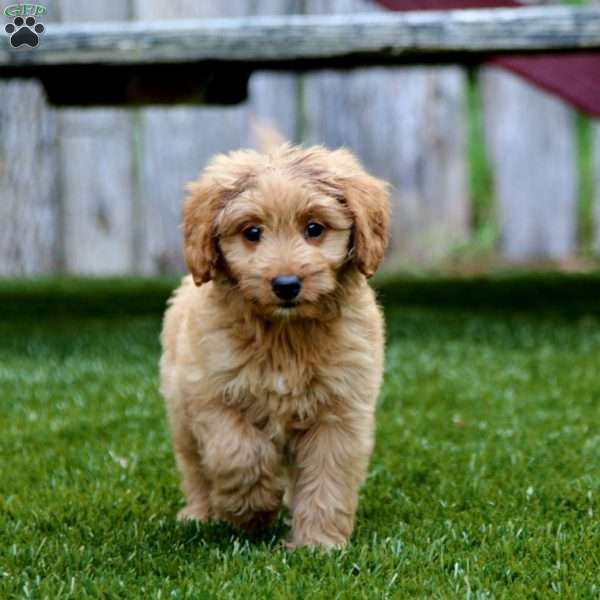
<point>574,76</point>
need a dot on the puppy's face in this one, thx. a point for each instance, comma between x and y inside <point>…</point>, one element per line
<point>283,241</point>
<point>282,226</point>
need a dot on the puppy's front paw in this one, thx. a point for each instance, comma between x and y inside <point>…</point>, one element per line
<point>248,489</point>
<point>319,529</point>
<point>250,508</point>
<point>317,541</point>
<point>193,513</point>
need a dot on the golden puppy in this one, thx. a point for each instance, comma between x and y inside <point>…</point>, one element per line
<point>272,361</point>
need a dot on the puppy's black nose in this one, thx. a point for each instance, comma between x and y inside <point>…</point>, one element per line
<point>286,287</point>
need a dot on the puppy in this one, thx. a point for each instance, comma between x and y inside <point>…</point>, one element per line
<point>273,347</point>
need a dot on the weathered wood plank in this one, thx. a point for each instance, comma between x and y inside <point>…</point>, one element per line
<point>273,98</point>
<point>29,176</point>
<point>280,39</point>
<point>29,209</point>
<point>176,144</point>
<point>596,174</point>
<point>72,12</point>
<point>96,185</point>
<point>531,144</point>
<point>167,166</point>
<point>407,125</point>
<point>97,192</point>
<point>596,151</point>
<point>197,134</point>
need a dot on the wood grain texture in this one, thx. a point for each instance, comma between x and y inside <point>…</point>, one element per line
<point>277,39</point>
<point>596,167</point>
<point>97,192</point>
<point>29,208</point>
<point>29,195</point>
<point>596,173</point>
<point>406,125</point>
<point>530,139</point>
<point>273,99</point>
<point>176,143</point>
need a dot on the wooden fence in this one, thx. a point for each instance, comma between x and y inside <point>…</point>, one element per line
<point>98,191</point>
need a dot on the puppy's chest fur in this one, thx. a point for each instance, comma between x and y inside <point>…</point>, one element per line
<point>280,379</point>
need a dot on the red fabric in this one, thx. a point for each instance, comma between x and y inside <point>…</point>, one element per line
<point>574,76</point>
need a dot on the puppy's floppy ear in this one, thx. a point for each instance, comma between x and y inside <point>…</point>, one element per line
<point>224,178</point>
<point>367,199</point>
<point>200,210</point>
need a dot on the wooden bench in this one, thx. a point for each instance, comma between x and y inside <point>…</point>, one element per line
<point>209,61</point>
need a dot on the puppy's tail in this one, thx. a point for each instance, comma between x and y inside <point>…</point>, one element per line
<point>265,136</point>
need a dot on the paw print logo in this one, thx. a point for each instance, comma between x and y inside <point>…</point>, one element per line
<point>24,32</point>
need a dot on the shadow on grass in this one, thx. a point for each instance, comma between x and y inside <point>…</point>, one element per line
<point>224,536</point>
<point>570,294</point>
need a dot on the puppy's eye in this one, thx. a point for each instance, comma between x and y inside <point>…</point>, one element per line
<point>252,234</point>
<point>314,230</point>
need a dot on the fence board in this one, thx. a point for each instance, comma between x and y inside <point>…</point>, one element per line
<point>531,145</point>
<point>596,167</point>
<point>447,36</point>
<point>274,98</point>
<point>29,209</point>
<point>197,133</point>
<point>29,203</point>
<point>96,185</point>
<point>407,125</point>
<point>596,175</point>
<point>118,206</point>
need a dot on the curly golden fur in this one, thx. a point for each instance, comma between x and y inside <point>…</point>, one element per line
<point>266,397</point>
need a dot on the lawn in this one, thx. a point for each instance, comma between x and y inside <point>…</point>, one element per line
<point>485,481</point>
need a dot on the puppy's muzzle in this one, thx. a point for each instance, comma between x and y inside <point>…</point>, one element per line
<point>286,287</point>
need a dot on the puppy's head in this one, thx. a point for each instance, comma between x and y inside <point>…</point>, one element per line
<point>283,226</point>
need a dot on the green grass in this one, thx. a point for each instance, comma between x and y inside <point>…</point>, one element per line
<point>585,190</point>
<point>480,176</point>
<point>484,483</point>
